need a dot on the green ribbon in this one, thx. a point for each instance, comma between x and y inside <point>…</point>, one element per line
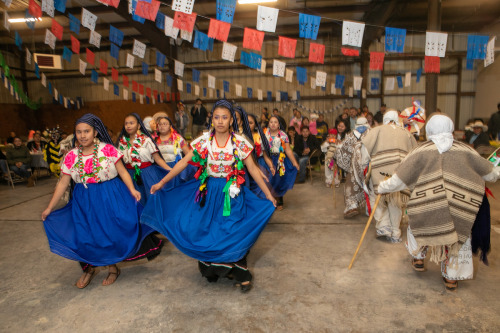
<point>227,199</point>
<point>137,172</point>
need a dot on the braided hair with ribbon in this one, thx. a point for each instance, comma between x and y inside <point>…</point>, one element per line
<point>265,144</point>
<point>282,156</point>
<point>244,120</point>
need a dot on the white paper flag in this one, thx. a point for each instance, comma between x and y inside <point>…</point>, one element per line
<point>313,82</point>
<point>170,31</point>
<point>125,94</point>
<point>289,75</point>
<point>490,52</point>
<point>180,86</point>
<point>228,52</point>
<point>48,7</point>
<point>88,19</point>
<point>320,79</point>
<point>357,82</point>
<point>6,22</point>
<point>95,39</point>
<point>351,92</point>
<point>267,18</point>
<point>238,90</point>
<point>333,91</point>
<point>363,93</point>
<point>130,60</point>
<point>105,82</point>
<point>44,80</point>
<point>435,44</point>
<point>65,101</point>
<point>263,66</point>
<point>278,68</point>
<point>139,49</point>
<point>389,83</point>
<point>407,79</point>
<point>210,93</point>
<point>158,75</point>
<point>352,33</point>
<point>5,82</point>
<point>278,96</point>
<point>259,94</point>
<point>12,90</point>
<point>83,66</point>
<point>56,94</point>
<point>185,6</point>
<point>141,99</point>
<point>153,100</point>
<point>294,95</point>
<point>178,68</point>
<point>187,35</point>
<point>28,56</point>
<point>211,81</point>
<point>197,90</point>
<point>50,39</point>
<point>7,3</point>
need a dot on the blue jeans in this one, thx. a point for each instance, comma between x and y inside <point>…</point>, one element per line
<point>22,171</point>
<point>302,160</point>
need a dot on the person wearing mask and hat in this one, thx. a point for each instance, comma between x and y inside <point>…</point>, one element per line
<point>449,213</point>
<point>349,158</point>
<point>386,146</point>
<point>181,119</point>
<point>479,136</point>
<point>329,147</point>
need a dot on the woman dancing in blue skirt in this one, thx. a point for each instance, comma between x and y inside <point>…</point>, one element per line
<point>214,219</point>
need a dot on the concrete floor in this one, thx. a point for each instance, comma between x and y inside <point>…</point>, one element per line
<point>301,281</point>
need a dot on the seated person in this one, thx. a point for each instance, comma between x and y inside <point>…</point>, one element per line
<point>305,144</point>
<point>479,136</point>
<point>3,164</point>
<point>292,133</point>
<point>19,159</point>
<point>37,145</point>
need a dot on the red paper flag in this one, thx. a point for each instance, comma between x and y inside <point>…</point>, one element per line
<point>219,30</point>
<point>75,45</point>
<point>317,53</point>
<point>184,21</point>
<point>147,10</point>
<point>113,3</point>
<point>377,61</point>
<point>155,93</point>
<point>34,9</point>
<point>432,64</point>
<point>168,97</point>
<point>141,89</point>
<point>148,92</point>
<point>90,57</point>
<point>103,66</point>
<point>178,96</point>
<point>252,39</point>
<point>114,74</point>
<point>350,52</point>
<point>135,86</point>
<point>287,47</point>
<point>57,29</point>
<point>172,96</point>
<point>162,96</point>
<point>125,80</point>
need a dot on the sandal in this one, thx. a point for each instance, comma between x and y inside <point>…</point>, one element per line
<point>92,274</point>
<point>418,264</point>
<point>279,207</point>
<point>117,273</point>
<point>351,213</point>
<point>244,288</point>
<point>451,286</point>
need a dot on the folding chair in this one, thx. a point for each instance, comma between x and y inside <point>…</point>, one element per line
<point>310,167</point>
<point>13,178</point>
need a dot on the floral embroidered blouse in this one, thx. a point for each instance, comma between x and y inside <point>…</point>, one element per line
<point>220,158</point>
<point>107,157</point>
<point>275,141</point>
<point>145,149</point>
<point>171,148</point>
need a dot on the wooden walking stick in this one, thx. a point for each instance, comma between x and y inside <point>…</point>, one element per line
<point>493,153</point>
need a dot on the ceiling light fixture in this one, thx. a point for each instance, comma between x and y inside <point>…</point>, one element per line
<point>244,2</point>
<point>19,20</point>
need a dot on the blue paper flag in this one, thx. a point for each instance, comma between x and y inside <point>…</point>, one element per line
<point>394,39</point>
<point>60,5</point>
<point>419,74</point>
<point>94,76</point>
<point>147,99</point>
<point>188,88</point>
<point>301,75</point>
<point>284,96</point>
<point>18,40</point>
<point>30,20</point>
<point>308,26</point>
<point>169,80</point>
<point>135,17</point>
<point>339,81</point>
<point>476,46</point>
<point>67,54</point>
<point>200,40</point>
<point>74,24</point>
<point>61,101</point>
<point>298,95</point>
<point>160,59</point>
<point>469,64</point>
<point>250,59</point>
<point>37,70</point>
<point>218,93</point>
<point>225,10</point>
<point>400,81</point>
<point>358,93</point>
<point>50,87</point>
<point>116,89</point>
<point>115,35</point>
<point>269,96</point>
<point>160,21</point>
<point>226,86</point>
<point>133,97</point>
<point>196,75</point>
<point>342,91</point>
<point>204,92</point>
<point>211,44</point>
<point>375,84</point>
<point>145,68</point>
<point>249,92</point>
<point>115,51</point>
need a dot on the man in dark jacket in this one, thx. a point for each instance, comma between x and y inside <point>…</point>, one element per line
<point>19,159</point>
<point>494,125</point>
<point>305,144</point>
<point>199,115</point>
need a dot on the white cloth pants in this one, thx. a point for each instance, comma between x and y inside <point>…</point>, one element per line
<point>387,217</point>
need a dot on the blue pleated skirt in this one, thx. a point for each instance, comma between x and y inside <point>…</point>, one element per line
<point>150,175</point>
<point>99,226</point>
<point>254,187</point>
<point>186,174</point>
<point>202,232</point>
<point>279,185</point>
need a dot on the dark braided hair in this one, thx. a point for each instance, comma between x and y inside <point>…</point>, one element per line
<point>143,129</point>
<point>224,103</point>
<point>244,119</point>
<point>265,144</point>
<point>96,123</point>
